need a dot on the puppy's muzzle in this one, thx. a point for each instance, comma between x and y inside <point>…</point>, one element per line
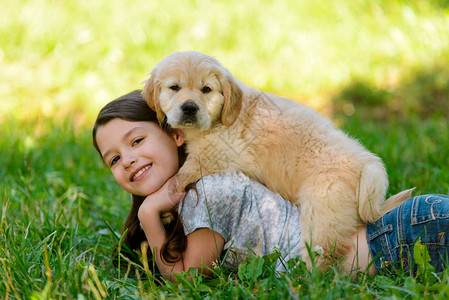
<point>189,111</point>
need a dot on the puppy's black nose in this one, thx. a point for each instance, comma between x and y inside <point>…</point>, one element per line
<point>189,108</point>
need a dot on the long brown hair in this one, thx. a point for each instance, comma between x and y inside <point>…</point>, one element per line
<point>132,107</point>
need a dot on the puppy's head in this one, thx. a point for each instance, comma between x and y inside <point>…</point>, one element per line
<point>193,90</point>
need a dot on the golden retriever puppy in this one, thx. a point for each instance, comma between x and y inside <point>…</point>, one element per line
<point>286,146</point>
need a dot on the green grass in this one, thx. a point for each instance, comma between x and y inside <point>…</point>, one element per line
<point>378,68</point>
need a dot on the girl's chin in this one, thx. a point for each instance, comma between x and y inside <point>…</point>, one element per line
<point>147,192</point>
<point>142,193</point>
<point>147,188</point>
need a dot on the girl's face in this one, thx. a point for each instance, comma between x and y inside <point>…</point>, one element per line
<point>140,155</point>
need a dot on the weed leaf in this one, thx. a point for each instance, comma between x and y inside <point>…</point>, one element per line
<point>422,259</point>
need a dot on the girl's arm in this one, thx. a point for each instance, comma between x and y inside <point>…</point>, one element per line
<point>203,245</point>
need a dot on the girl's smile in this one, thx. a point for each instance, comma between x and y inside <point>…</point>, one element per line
<point>136,176</point>
<point>141,156</point>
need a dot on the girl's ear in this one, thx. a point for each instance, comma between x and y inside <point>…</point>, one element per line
<point>179,137</point>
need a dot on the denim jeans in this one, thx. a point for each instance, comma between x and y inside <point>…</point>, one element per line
<point>392,237</point>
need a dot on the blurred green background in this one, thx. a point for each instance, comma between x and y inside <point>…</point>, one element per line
<point>379,69</point>
<point>60,58</point>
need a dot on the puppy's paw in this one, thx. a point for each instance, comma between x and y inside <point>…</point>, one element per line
<point>183,180</point>
<point>180,186</point>
<point>180,189</point>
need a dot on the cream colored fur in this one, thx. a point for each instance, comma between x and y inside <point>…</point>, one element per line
<point>286,146</point>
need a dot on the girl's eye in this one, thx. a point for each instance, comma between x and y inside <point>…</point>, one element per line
<point>206,90</point>
<point>114,160</point>
<point>175,87</point>
<point>137,141</point>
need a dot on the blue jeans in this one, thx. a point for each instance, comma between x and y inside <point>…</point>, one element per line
<point>392,237</point>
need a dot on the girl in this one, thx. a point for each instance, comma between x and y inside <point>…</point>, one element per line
<point>232,212</point>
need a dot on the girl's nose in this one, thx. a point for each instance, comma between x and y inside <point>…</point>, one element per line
<point>129,160</point>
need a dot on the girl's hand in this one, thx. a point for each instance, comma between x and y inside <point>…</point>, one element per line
<point>203,245</point>
<point>164,199</point>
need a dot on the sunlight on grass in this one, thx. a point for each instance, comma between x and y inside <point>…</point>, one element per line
<point>378,68</point>
<point>71,57</point>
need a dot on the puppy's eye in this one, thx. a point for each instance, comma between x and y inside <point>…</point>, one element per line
<point>206,90</point>
<point>175,87</point>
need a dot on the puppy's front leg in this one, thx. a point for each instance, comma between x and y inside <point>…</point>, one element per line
<point>210,160</point>
<point>189,173</point>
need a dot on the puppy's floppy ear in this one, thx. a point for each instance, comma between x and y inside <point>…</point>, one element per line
<point>151,94</point>
<point>232,100</point>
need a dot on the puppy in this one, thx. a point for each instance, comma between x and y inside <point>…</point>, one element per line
<point>286,146</point>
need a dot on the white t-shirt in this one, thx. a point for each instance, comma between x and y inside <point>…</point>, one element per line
<point>251,219</point>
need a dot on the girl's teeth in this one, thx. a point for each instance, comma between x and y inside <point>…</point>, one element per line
<point>141,172</point>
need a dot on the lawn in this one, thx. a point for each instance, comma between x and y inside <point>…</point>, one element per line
<point>379,69</point>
